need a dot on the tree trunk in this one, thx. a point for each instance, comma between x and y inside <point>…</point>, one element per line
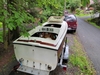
<point>5,37</point>
<point>4,27</point>
<point>12,34</point>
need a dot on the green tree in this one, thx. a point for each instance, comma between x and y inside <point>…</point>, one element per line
<point>13,17</point>
<point>73,4</point>
<point>50,7</point>
<point>2,19</point>
<point>96,6</point>
<point>85,2</point>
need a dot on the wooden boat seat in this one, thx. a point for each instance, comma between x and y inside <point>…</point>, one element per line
<point>53,36</point>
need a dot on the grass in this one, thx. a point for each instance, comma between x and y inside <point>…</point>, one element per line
<point>92,23</point>
<point>79,59</point>
<point>81,15</point>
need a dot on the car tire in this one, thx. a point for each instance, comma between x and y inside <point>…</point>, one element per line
<point>74,31</point>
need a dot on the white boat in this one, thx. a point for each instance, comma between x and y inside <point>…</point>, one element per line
<point>38,54</point>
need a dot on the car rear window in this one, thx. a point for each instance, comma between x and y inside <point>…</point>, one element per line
<point>70,17</point>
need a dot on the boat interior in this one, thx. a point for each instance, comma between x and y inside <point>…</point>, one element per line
<point>48,31</point>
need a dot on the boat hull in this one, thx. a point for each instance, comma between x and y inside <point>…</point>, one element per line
<point>36,57</point>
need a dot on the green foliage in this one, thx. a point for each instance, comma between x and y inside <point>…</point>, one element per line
<point>96,7</point>
<point>50,7</point>
<point>85,2</point>
<point>73,4</point>
<point>92,22</point>
<point>82,63</point>
<point>78,11</point>
<point>0,24</point>
<point>15,18</point>
<point>78,61</point>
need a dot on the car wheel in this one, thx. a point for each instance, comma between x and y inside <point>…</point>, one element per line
<point>74,31</point>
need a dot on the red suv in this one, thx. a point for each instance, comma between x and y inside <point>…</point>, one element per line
<point>71,21</point>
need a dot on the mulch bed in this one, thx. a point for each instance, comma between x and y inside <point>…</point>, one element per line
<point>5,55</point>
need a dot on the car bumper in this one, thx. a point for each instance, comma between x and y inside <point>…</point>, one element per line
<point>71,28</point>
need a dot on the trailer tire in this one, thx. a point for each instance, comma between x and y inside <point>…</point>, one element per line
<point>65,61</point>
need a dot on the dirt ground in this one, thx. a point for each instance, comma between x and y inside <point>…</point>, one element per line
<point>5,55</point>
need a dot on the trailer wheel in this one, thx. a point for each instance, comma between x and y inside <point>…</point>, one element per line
<point>65,61</point>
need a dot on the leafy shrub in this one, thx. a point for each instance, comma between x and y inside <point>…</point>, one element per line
<point>78,11</point>
<point>0,24</point>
